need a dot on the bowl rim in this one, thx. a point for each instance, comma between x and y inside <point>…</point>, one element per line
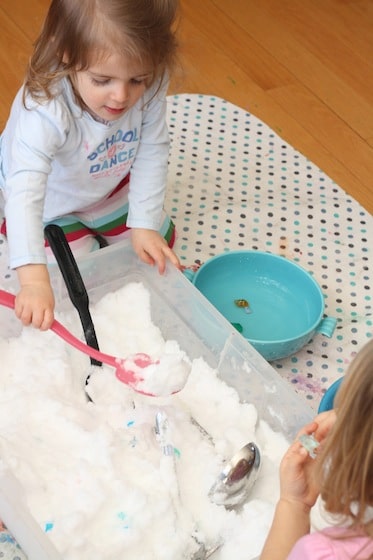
<point>327,400</point>
<point>269,255</point>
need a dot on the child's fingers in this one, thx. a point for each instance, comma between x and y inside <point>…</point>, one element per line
<point>325,421</point>
<point>308,429</point>
<point>297,448</point>
<point>146,257</point>
<point>47,320</point>
<point>171,256</point>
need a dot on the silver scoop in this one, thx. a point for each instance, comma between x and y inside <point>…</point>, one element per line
<point>163,436</point>
<point>236,480</point>
<point>203,553</point>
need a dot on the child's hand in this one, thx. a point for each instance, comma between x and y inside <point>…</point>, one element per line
<point>152,248</point>
<point>325,421</point>
<point>34,303</point>
<point>297,483</point>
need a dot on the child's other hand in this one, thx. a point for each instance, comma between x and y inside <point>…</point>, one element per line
<point>296,471</point>
<point>152,248</point>
<point>34,303</point>
<point>297,484</point>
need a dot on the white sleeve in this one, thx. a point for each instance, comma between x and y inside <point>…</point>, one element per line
<point>33,138</point>
<point>149,170</point>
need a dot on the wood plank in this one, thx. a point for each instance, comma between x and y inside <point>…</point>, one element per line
<point>232,83</point>
<point>333,41</point>
<point>353,22</point>
<point>311,66</point>
<point>27,16</point>
<point>11,67</point>
<point>307,70</point>
<point>236,43</point>
<point>332,134</point>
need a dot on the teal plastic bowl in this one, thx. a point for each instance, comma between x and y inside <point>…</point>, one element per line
<point>285,304</point>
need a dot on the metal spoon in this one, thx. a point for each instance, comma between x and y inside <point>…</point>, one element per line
<point>162,433</point>
<point>203,553</point>
<point>236,480</point>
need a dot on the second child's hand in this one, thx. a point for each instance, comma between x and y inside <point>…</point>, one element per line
<point>297,484</point>
<point>298,493</point>
<point>34,304</point>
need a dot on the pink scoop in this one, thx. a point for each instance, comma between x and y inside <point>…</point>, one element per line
<point>122,366</point>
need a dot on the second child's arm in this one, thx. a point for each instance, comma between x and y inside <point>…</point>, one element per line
<point>291,522</point>
<point>298,493</point>
<point>34,303</point>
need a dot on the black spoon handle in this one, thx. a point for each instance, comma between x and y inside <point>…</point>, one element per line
<point>74,282</point>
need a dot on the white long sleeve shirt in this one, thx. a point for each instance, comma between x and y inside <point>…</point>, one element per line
<point>56,159</point>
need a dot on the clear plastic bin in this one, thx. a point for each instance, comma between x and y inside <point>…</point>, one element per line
<point>183,314</point>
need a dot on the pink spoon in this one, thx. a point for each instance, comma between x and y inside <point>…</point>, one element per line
<point>122,366</point>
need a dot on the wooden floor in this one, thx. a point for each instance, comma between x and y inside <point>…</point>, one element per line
<point>305,67</point>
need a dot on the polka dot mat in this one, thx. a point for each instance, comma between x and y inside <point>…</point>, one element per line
<point>235,184</point>
<point>9,549</point>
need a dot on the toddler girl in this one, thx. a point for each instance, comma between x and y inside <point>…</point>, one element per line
<point>86,143</point>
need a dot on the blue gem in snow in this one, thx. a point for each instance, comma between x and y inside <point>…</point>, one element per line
<point>48,527</point>
<point>123,516</point>
<point>130,423</point>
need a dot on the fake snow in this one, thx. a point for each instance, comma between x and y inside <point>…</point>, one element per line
<point>95,474</point>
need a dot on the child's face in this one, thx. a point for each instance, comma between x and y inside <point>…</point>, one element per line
<point>111,87</point>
